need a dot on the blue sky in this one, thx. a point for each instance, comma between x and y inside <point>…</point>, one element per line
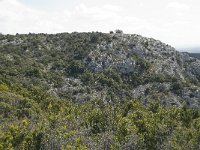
<point>175,22</point>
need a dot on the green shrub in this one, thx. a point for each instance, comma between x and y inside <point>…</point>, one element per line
<point>3,87</point>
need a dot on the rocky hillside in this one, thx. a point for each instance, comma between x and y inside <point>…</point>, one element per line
<point>111,67</point>
<point>94,91</point>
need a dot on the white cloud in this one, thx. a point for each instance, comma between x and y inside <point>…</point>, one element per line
<point>16,17</point>
<point>112,7</point>
<point>179,6</point>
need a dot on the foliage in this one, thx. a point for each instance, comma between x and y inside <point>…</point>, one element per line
<point>34,66</point>
<point>31,119</point>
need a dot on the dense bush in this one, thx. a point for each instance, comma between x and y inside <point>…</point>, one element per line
<point>31,119</point>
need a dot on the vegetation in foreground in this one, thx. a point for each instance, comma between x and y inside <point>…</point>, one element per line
<point>31,119</point>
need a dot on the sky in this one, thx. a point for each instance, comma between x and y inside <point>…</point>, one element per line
<point>175,22</point>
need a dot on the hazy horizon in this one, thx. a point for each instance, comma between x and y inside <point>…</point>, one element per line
<point>174,22</point>
<point>189,49</point>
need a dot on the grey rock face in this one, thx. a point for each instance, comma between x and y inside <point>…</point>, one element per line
<point>126,66</point>
<point>164,60</point>
<point>100,61</point>
<point>195,68</point>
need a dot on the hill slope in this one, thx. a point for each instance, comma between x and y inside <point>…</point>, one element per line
<point>111,67</point>
<point>97,91</point>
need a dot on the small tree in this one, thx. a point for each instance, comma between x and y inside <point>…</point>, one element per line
<point>111,32</point>
<point>119,31</point>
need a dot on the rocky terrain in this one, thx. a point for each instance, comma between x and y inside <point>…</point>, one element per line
<point>79,91</point>
<point>111,67</point>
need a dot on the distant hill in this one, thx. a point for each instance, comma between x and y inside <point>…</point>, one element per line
<point>190,49</point>
<point>196,55</point>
